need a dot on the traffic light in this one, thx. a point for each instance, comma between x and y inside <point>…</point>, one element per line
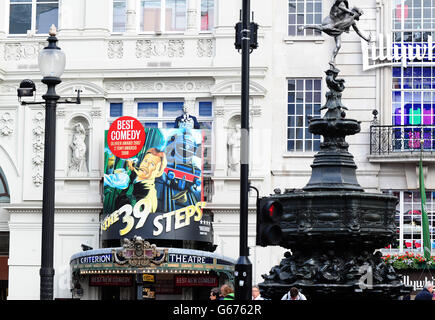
<point>269,214</point>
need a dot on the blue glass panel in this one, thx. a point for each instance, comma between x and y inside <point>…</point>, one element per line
<point>417,83</point>
<point>397,72</point>
<point>407,83</point>
<point>172,109</point>
<point>407,72</point>
<point>308,84</point>
<point>46,15</point>
<point>290,145</point>
<point>299,109</point>
<point>427,72</point>
<point>299,85</point>
<point>299,97</point>
<point>291,133</point>
<point>308,97</point>
<point>168,125</point>
<point>148,109</point>
<point>20,18</point>
<point>115,110</point>
<point>291,109</point>
<point>291,85</point>
<point>407,97</point>
<point>417,71</point>
<point>317,85</point>
<point>416,97</point>
<point>291,97</point>
<point>205,109</point>
<point>396,96</point>
<point>150,125</point>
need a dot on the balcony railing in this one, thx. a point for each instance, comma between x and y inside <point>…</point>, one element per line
<point>407,138</point>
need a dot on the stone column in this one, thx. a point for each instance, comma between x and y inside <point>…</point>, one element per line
<point>192,16</point>
<point>129,107</point>
<point>71,16</point>
<point>130,25</point>
<point>97,19</point>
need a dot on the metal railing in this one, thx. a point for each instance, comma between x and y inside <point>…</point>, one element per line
<point>407,138</point>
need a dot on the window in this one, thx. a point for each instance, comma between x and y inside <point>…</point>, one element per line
<point>162,114</point>
<point>119,15</point>
<point>409,207</point>
<point>207,15</point>
<point>413,91</point>
<point>303,12</point>
<point>115,110</point>
<point>163,15</point>
<point>32,15</point>
<point>304,97</point>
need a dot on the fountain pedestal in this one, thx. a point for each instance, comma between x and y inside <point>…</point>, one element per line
<point>332,226</point>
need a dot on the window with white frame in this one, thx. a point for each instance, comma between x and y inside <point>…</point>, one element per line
<point>408,217</point>
<point>413,90</point>
<point>303,12</point>
<point>35,16</point>
<point>207,15</point>
<point>162,114</point>
<point>304,98</point>
<point>119,16</point>
<point>163,15</point>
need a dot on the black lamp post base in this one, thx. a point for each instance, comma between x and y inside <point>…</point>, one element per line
<point>47,277</point>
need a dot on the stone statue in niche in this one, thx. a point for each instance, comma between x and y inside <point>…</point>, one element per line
<point>233,144</point>
<point>78,164</point>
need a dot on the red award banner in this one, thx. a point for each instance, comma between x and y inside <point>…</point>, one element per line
<point>126,137</point>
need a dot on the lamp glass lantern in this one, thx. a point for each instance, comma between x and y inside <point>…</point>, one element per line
<point>51,59</point>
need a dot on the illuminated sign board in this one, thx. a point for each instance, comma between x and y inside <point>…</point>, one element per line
<point>156,193</point>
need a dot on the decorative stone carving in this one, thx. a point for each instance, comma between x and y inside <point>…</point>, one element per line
<point>115,49</point>
<point>38,148</point>
<point>22,51</point>
<point>96,113</point>
<point>159,48</point>
<point>6,124</point>
<point>204,47</point>
<point>152,86</point>
<point>77,165</point>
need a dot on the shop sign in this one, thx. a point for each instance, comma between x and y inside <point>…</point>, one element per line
<point>187,258</point>
<point>158,192</point>
<point>148,277</point>
<point>110,280</point>
<point>383,53</point>
<point>196,281</point>
<point>417,279</point>
<point>102,258</point>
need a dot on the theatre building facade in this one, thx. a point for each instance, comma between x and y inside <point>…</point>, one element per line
<point>146,60</point>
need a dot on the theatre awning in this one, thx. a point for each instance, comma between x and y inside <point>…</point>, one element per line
<point>139,256</point>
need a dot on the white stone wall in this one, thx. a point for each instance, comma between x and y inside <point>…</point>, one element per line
<point>125,67</point>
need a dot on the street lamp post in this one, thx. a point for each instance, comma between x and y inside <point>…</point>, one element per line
<point>51,63</point>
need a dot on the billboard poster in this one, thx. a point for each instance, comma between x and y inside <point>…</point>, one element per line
<point>153,185</point>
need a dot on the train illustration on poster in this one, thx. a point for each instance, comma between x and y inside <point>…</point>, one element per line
<point>158,192</point>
